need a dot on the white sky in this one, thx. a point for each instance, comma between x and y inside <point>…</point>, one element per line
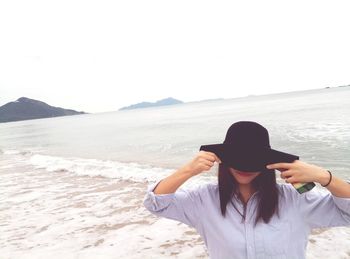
<point>100,55</point>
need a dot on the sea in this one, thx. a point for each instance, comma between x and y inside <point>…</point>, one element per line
<point>73,186</point>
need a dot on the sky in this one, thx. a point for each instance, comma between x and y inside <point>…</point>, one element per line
<point>98,56</point>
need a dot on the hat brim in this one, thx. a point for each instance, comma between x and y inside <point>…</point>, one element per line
<point>248,160</point>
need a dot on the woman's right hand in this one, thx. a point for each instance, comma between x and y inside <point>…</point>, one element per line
<point>203,161</point>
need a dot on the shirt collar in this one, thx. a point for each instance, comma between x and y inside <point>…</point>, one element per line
<point>253,195</point>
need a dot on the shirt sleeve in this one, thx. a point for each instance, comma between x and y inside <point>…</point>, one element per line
<point>182,205</point>
<point>324,209</point>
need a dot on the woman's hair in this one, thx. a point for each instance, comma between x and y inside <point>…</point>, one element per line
<point>264,183</point>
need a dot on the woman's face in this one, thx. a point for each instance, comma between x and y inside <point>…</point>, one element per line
<point>243,177</point>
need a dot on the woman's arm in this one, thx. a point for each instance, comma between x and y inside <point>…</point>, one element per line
<point>202,162</point>
<point>318,209</point>
<point>301,172</point>
<point>337,186</point>
<point>171,183</point>
<point>164,197</point>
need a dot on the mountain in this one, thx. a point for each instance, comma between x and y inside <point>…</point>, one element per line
<point>163,102</point>
<point>28,109</point>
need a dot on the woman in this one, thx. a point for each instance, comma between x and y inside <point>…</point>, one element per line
<point>247,214</point>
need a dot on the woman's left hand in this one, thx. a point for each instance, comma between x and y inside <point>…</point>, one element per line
<point>300,172</point>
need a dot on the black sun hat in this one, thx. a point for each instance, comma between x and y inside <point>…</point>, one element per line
<point>247,148</point>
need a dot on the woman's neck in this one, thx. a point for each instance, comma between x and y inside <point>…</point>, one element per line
<point>246,191</point>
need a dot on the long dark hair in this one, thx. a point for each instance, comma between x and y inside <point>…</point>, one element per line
<point>264,183</point>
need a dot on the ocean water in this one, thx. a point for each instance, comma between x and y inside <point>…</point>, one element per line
<point>72,187</point>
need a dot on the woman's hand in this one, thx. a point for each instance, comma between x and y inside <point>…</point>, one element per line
<point>301,172</point>
<point>203,161</point>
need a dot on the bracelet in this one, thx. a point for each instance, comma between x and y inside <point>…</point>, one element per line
<point>330,179</point>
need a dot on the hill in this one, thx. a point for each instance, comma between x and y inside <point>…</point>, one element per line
<point>163,102</point>
<point>28,109</point>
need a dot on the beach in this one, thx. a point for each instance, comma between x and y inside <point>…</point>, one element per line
<point>62,215</point>
<point>73,187</point>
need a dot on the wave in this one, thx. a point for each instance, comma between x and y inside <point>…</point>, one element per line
<point>15,152</point>
<point>132,171</point>
<point>94,167</point>
<point>110,169</point>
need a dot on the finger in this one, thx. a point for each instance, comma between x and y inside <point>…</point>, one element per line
<point>209,163</point>
<point>217,159</point>
<point>286,174</point>
<point>290,180</point>
<point>279,165</point>
<point>211,156</point>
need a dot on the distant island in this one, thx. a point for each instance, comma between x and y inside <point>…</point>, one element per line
<point>336,86</point>
<point>163,102</point>
<point>28,109</point>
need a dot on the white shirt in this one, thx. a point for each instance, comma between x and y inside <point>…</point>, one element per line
<point>227,237</point>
